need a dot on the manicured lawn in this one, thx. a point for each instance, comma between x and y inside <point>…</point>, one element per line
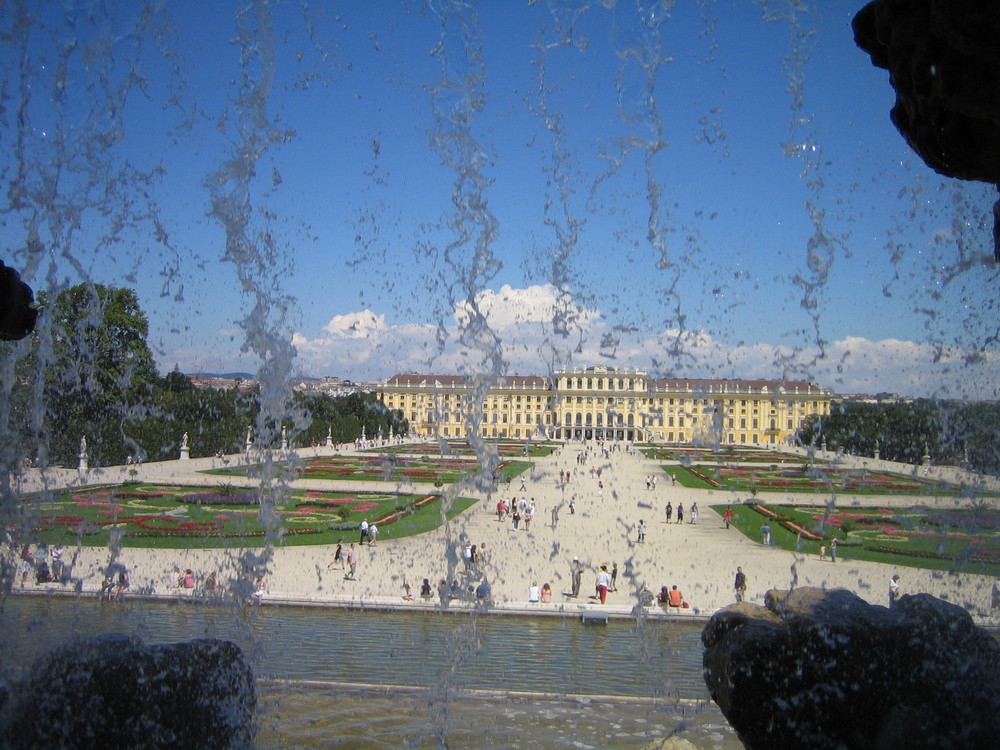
<point>181,517</point>
<point>685,478</point>
<point>918,537</point>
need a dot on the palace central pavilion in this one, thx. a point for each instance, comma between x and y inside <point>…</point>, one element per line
<point>606,403</point>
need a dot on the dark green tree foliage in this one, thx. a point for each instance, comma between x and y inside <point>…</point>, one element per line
<point>951,433</point>
<point>213,419</point>
<point>346,416</point>
<point>100,372</point>
<point>91,369</point>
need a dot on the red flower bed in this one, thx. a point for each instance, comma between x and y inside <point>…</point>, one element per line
<point>218,534</point>
<point>187,527</point>
<point>702,477</point>
<point>798,528</point>
<point>770,513</point>
<point>62,520</point>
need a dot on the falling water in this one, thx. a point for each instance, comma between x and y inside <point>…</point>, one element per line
<point>91,194</point>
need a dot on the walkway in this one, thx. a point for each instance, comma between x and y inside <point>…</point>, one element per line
<point>700,558</point>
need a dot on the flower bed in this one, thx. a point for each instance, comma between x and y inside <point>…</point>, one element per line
<point>930,535</point>
<point>219,498</point>
<point>770,513</point>
<point>702,477</point>
<point>186,528</point>
<point>802,531</point>
<point>217,534</point>
<point>992,558</point>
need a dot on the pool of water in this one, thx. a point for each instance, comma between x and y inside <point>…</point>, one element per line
<point>509,682</point>
<point>474,652</point>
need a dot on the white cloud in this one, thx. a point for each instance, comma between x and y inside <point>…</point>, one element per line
<point>510,308</point>
<point>356,325</point>
<point>537,330</point>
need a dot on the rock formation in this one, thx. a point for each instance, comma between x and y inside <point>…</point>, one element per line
<point>825,669</point>
<point>943,60</point>
<point>113,691</point>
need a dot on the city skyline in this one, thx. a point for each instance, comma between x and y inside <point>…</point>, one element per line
<point>360,190</point>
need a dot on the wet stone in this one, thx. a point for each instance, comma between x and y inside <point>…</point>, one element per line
<point>114,691</point>
<point>824,669</point>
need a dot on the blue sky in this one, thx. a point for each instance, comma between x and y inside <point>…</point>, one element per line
<point>708,189</point>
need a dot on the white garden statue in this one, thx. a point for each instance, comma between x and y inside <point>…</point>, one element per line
<point>84,464</point>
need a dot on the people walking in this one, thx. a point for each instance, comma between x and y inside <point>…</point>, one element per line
<point>740,585</point>
<point>352,563</point>
<point>729,516</point>
<point>576,575</point>
<point>338,557</point>
<point>642,532</point>
<point>694,512</point>
<point>670,512</point>
<point>603,583</point>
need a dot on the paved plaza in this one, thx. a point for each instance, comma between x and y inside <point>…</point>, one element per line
<point>701,558</point>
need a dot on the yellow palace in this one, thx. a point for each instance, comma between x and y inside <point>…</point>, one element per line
<point>606,403</point>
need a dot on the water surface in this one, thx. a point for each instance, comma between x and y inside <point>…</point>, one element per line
<point>333,677</point>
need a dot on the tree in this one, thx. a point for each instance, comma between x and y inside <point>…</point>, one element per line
<point>177,382</point>
<point>99,372</point>
<point>213,419</point>
<point>346,416</point>
<point>951,433</point>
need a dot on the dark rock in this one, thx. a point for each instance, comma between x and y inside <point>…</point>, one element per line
<point>825,669</point>
<point>17,316</point>
<point>115,692</point>
<point>943,60</point>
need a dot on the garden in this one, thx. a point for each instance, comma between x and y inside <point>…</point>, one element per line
<point>508,448</point>
<point>727,453</point>
<point>150,515</point>
<point>391,468</point>
<point>825,478</point>
<point>966,539</point>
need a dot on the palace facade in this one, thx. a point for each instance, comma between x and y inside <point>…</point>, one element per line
<point>606,403</point>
